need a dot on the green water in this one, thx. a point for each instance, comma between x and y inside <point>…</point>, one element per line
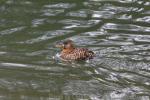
<point>118,31</point>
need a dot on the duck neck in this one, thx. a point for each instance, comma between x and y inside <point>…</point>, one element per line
<point>68,50</point>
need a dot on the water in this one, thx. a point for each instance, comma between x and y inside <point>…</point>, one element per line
<point>117,31</point>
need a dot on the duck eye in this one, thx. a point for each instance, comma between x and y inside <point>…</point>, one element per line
<point>65,43</point>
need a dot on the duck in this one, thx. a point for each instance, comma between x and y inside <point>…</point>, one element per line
<point>70,52</point>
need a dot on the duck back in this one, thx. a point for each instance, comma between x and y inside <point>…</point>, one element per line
<point>78,54</point>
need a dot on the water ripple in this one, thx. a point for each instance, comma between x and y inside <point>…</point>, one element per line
<point>116,30</point>
<point>12,30</point>
<point>60,5</point>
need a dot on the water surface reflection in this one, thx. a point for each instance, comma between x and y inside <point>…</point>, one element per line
<point>117,31</point>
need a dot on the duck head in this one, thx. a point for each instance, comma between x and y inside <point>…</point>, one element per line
<point>66,45</point>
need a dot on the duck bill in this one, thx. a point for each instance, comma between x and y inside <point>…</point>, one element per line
<point>59,45</point>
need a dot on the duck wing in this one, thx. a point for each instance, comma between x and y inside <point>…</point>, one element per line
<point>78,54</point>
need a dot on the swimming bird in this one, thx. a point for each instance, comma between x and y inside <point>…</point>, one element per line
<point>70,52</point>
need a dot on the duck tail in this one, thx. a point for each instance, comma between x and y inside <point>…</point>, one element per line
<point>91,54</point>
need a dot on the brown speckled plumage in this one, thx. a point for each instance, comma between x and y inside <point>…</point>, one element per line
<point>69,52</point>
